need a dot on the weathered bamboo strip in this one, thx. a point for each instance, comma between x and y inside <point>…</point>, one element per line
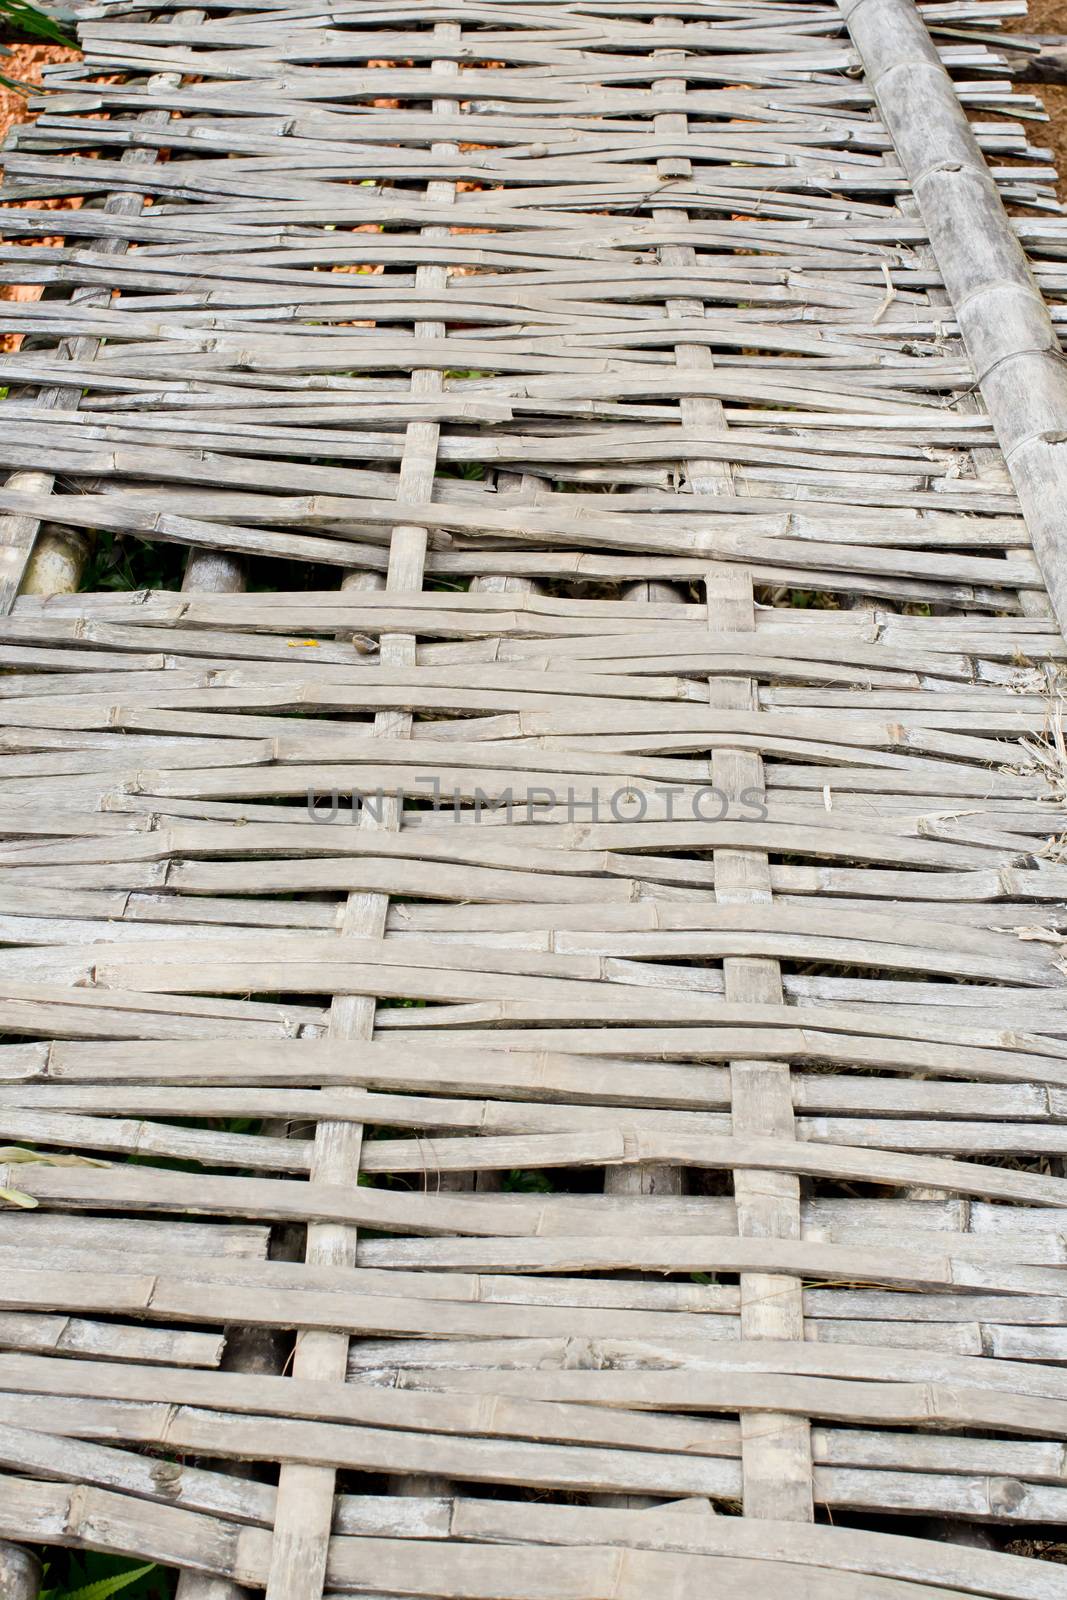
<point>305,1496</point>
<point>38,559</point>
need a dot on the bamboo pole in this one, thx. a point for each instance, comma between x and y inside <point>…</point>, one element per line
<point>20,1573</point>
<point>1001,312</point>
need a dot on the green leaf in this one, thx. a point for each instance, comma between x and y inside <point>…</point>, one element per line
<point>519,1182</point>
<point>15,1197</point>
<point>105,1587</point>
<point>27,19</point>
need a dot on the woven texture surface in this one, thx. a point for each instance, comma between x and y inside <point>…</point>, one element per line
<point>532,974</point>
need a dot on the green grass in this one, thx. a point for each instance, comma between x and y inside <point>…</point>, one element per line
<point>122,562</point>
<point>520,1182</point>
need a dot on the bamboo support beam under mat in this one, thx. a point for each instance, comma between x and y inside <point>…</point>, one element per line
<point>582,842</point>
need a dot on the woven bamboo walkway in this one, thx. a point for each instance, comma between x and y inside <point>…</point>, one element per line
<point>614,1148</point>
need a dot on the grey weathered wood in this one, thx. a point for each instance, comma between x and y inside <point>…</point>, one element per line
<point>705,344</point>
<point>53,563</point>
<point>305,1497</point>
<point>1003,318</point>
<point>20,1572</point>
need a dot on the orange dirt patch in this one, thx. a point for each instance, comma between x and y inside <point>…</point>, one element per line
<point>24,64</point>
<point>1048,16</point>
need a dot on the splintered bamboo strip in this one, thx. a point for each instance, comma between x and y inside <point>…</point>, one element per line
<point>481,1571</point>
<point>776,1450</point>
<point>199,1490</point>
<point>674,125</point>
<point>216,572</point>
